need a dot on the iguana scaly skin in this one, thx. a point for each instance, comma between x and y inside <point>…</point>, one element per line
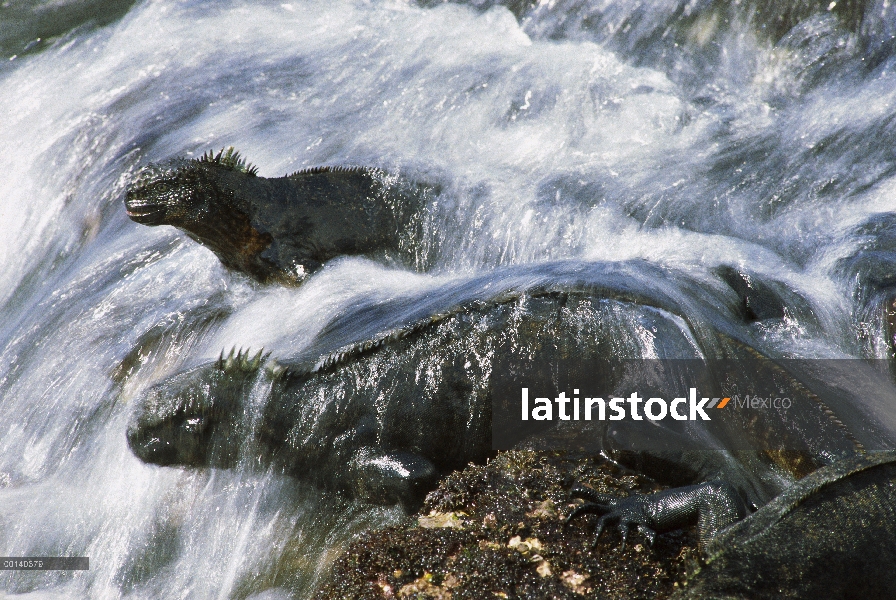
<point>384,419</point>
<point>278,230</point>
<point>418,400</point>
<point>381,421</point>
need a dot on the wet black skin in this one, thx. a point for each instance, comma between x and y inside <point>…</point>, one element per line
<point>334,427</point>
<point>192,418</point>
<point>711,506</point>
<point>384,421</point>
<point>278,230</point>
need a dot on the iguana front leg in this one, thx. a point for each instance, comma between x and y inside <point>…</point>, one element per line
<point>711,506</point>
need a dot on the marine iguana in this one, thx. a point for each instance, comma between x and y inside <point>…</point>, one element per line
<point>383,420</point>
<point>278,230</point>
<point>380,421</point>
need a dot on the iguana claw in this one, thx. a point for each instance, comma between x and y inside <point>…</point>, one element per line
<point>622,512</point>
<point>711,506</point>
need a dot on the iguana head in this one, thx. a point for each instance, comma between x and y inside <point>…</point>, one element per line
<point>180,191</point>
<point>209,199</point>
<point>196,418</point>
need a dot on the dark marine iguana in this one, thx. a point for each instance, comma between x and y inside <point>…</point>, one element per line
<point>278,230</point>
<point>383,420</point>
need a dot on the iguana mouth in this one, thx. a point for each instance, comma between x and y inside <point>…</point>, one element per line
<point>146,215</point>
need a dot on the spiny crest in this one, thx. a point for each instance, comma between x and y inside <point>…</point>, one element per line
<point>229,158</point>
<point>319,170</point>
<point>241,361</point>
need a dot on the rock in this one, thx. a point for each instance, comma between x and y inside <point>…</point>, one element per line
<point>516,552</point>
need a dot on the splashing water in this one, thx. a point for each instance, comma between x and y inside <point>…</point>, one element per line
<point>678,134</point>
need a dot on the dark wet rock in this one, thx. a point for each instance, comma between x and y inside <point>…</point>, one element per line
<point>763,299</point>
<point>830,535</point>
<point>496,531</point>
<point>869,272</point>
<point>169,337</point>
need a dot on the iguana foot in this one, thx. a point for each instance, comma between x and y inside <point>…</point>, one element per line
<point>624,513</point>
<point>711,506</point>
